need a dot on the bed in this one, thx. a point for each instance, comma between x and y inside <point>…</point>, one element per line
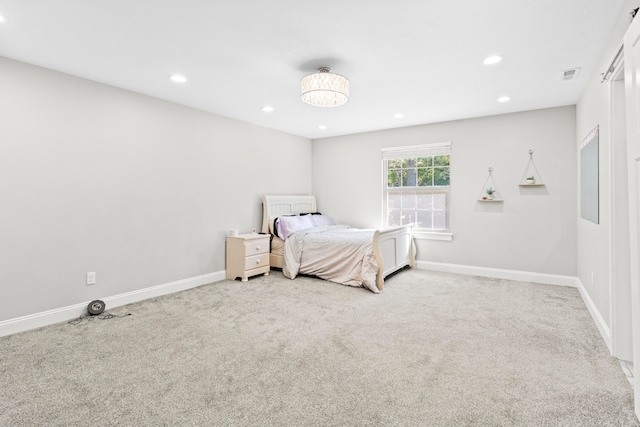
<point>383,251</point>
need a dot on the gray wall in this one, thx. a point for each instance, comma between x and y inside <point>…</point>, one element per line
<point>534,230</point>
<point>139,190</point>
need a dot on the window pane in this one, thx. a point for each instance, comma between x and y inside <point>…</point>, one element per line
<point>424,201</point>
<point>400,176</point>
<point>409,163</point>
<point>441,176</point>
<point>394,201</point>
<point>439,201</point>
<point>408,217</point>
<point>423,162</point>
<point>411,177</point>
<point>408,201</point>
<point>393,178</point>
<point>394,218</point>
<point>441,160</point>
<point>425,177</point>
<point>424,219</point>
<point>394,164</point>
<point>440,220</point>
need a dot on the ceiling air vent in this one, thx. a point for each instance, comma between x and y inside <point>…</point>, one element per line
<point>570,74</point>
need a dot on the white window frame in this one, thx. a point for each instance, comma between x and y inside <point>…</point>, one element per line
<point>424,150</point>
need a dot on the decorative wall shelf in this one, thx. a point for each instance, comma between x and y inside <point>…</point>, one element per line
<point>531,171</point>
<point>489,184</point>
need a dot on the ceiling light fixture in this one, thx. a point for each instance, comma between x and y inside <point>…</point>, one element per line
<point>492,60</point>
<point>2,18</point>
<point>177,78</point>
<point>267,108</point>
<point>504,99</point>
<point>322,127</point>
<point>398,115</point>
<point>324,88</point>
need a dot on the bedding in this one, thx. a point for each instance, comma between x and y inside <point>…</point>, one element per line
<point>286,225</point>
<point>337,253</point>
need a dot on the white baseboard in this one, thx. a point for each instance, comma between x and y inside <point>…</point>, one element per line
<point>497,273</point>
<point>37,320</point>
<point>525,276</point>
<point>595,314</point>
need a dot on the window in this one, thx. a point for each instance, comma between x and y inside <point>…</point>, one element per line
<point>417,186</point>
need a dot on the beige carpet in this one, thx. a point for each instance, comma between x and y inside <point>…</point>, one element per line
<point>433,349</point>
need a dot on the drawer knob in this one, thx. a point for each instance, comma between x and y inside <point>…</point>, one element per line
<point>257,261</point>
<point>257,248</point>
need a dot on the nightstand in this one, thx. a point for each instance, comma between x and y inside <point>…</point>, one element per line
<point>247,255</point>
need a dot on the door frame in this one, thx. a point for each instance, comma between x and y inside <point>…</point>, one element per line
<point>619,259</point>
<point>632,101</point>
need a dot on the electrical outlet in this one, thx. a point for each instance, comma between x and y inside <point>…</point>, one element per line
<point>91,278</point>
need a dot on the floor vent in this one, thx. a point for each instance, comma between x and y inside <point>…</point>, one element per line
<point>570,74</point>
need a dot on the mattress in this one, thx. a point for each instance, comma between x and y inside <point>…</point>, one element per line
<point>277,246</point>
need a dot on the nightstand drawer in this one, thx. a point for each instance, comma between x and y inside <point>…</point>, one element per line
<point>256,261</point>
<point>255,247</point>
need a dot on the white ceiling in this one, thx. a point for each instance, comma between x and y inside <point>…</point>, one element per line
<point>422,58</point>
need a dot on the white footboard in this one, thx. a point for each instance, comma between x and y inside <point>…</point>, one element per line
<point>394,250</point>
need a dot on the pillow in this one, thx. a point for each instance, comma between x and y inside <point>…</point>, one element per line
<point>320,219</point>
<point>272,224</point>
<point>287,225</point>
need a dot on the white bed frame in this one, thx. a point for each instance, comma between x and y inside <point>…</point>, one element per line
<point>393,248</point>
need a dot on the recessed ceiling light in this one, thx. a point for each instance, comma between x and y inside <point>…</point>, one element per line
<point>322,127</point>
<point>267,108</point>
<point>2,18</point>
<point>177,78</point>
<point>492,60</point>
<point>398,115</point>
<point>504,99</point>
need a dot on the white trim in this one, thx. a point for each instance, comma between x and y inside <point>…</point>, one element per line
<point>414,150</point>
<point>37,320</point>
<point>621,337</point>
<point>497,273</point>
<point>605,332</point>
<point>526,276</point>
<point>433,235</point>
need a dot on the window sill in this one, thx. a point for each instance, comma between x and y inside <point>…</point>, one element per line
<point>433,235</point>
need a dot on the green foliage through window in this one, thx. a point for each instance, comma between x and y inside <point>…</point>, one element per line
<point>431,171</point>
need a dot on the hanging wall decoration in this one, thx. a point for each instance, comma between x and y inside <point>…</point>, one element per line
<point>531,176</point>
<point>490,191</point>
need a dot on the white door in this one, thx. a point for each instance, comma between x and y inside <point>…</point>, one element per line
<point>632,96</point>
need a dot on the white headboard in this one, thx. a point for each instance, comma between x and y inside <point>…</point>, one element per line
<point>275,205</point>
